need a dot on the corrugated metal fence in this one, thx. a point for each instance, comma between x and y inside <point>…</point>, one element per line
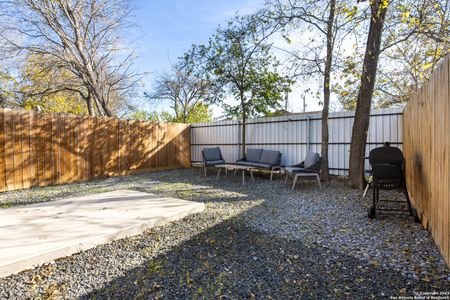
<point>295,134</point>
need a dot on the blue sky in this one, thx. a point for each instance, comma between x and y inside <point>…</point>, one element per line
<point>166,29</point>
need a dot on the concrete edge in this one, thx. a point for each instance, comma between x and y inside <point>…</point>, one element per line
<point>46,257</point>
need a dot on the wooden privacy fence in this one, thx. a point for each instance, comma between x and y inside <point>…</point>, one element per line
<point>427,149</point>
<point>39,149</point>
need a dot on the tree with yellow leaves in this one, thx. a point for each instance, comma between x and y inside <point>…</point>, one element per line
<point>52,89</point>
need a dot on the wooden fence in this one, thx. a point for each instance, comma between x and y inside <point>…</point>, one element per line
<point>426,145</point>
<point>39,149</point>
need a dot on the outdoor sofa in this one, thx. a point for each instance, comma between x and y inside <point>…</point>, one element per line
<point>311,166</point>
<point>262,159</point>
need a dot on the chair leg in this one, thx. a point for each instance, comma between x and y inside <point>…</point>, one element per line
<point>285,181</point>
<point>204,170</point>
<point>271,175</point>
<point>295,181</point>
<point>318,181</point>
<point>366,190</point>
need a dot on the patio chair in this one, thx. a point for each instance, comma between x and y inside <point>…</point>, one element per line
<point>262,159</point>
<point>310,167</point>
<point>388,174</point>
<point>211,157</point>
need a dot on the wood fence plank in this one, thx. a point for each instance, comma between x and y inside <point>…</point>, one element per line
<point>84,133</point>
<point>3,186</point>
<point>63,149</point>
<point>120,146</point>
<point>56,142</point>
<point>39,149</point>
<point>18,146</point>
<point>104,149</point>
<point>48,140</point>
<point>113,146</point>
<point>97,149</point>
<point>146,137</point>
<point>159,142</point>
<point>426,149</point>
<point>77,151</point>
<point>126,147</point>
<point>25,120</point>
<point>91,147</point>
<point>153,144</point>
<point>9,149</point>
<point>33,150</point>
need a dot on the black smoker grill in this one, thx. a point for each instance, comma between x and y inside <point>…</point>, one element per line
<point>388,173</point>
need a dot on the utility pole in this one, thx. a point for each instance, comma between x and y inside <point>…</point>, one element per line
<point>304,103</point>
<point>286,101</point>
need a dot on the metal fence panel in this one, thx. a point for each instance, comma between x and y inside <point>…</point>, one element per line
<point>296,134</point>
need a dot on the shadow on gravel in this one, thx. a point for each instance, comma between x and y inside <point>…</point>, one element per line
<point>233,261</point>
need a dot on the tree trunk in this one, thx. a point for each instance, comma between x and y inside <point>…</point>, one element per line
<point>90,105</point>
<point>176,108</point>
<point>364,101</point>
<point>326,92</point>
<point>97,105</point>
<point>244,122</point>
<point>106,109</point>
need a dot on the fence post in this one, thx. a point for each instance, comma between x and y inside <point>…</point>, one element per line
<point>308,132</point>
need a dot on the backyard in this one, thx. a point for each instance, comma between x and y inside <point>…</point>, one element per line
<point>240,149</point>
<point>262,240</point>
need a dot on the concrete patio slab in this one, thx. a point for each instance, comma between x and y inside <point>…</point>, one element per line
<point>35,234</point>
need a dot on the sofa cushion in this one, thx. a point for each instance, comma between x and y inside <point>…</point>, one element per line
<point>261,165</point>
<point>311,158</point>
<point>212,154</point>
<point>210,163</point>
<point>270,157</point>
<point>245,163</point>
<point>253,164</point>
<point>253,155</point>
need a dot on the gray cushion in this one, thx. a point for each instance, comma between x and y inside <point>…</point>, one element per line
<point>245,163</point>
<point>261,165</point>
<point>310,159</point>
<point>270,157</point>
<point>253,164</point>
<point>253,155</point>
<point>292,169</point>
<point>212,154</point>
<point>214,162</point>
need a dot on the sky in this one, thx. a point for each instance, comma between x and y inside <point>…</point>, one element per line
<point>166,29</point>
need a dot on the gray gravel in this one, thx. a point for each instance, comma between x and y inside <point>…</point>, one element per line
<point>258,241</point>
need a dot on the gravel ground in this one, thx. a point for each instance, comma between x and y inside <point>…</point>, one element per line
<point>258,241</point>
